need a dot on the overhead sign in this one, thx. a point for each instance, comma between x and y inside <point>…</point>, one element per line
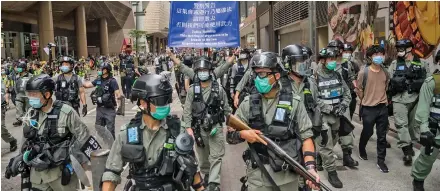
<point>200,24</point>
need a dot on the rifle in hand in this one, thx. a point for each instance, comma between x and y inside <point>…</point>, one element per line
<point>238,125</point>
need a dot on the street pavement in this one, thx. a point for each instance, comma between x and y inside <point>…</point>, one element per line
<point>366,178</point>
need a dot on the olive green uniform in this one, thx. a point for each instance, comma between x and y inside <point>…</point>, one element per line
<point>404,110</point>
<point>210,157</point>
<point>240,86</point>
<point>22,102</point>
<point>422,166</point>
<point>331,123</point>
<point>68,121</point>
<point>285,180</point>
<point>153,141</point>
<point>6,136</point>
<point>219,71</point>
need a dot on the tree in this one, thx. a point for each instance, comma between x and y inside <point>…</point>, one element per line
<point>136,34</point>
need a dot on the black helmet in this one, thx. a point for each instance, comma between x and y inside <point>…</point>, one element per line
<point>106,66</point>
<point>375,49</point>
<point>307,51</point>
<point>332,53</point>
<point>404,43</point>
<point>41,83</point>
<point>22,65</point>
<point>188,60</point>
<point>265,60</point>
<point>293,52</point>
<point>348,47</point>
<point>202,63</point>
<point>437,56</point>
<point>153,88</point>
<point>336,44</point>
<point>295,57</point>
<point>322,53</point>
<point>246,52</point>
<point>67,59</point>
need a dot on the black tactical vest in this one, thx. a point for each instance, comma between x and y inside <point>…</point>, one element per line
<point>283,130</point>
<point>20,82</point>
<point>207,113</point>
<point>150,176</point>
<point>240,73</point>
<point>330,88</point>
<point>345,69</point>
<point>105,93</point>
<point>68,91</point>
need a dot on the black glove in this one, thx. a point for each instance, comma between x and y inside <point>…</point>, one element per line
<point>324,137</point>
<point>84,110</point>
<point>427,140</point>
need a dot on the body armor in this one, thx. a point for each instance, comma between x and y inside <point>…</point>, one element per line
<point>207,114</point>
<point>20,83</point>
<point>407,78</point>
<point>68,91</point>
<point>283,130</point>
<point>330,89</point>
<point>345,70</point>
<point>104,95</point>
<point>128,66</point>
<point>240,73</point>
<point>160,175</point>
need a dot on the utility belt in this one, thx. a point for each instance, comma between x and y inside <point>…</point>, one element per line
<point>150,183</point>
<point>106,100</point>
<point>331,101</point>
<point>267,157</point>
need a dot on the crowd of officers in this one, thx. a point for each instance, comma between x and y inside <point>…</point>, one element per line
<point>306,107</point>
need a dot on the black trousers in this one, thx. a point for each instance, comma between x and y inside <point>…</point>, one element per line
<point>352,104</point>
<point>376,115</point>
<point>128,83</point>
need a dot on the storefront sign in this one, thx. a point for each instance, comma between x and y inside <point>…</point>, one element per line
<point>201,24</point>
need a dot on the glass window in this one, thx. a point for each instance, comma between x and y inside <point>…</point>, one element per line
<point>243,10</point>
<point>250,7</point>
<point>379,30</point>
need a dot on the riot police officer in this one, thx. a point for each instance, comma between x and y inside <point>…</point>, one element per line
<point>151,143</point>
<point>69,86</point>
<point>428,117</point>
<point>407,74</point>
<point>181,86</point>
<point>239,69</point>
<point>333,101</point>
<point>105,95</point>
<point>58,129</point>
<point>297,63</point>
<point>271,108</point>
<point>204,112</point>
<point>22,103</point>
<point>6,136</point>
<point>128,72</point>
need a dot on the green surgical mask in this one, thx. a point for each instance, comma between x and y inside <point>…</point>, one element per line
<point>262,84</point>
<point>331,65</point>
<point>161,112</point>
<point>99,73</point>
<point>19,70</point>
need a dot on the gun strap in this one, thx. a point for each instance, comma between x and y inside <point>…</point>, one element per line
<point>263,168</point>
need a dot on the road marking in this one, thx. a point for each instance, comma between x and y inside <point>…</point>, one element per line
<point>91,111</point>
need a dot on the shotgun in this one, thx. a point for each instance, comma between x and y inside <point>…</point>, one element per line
<point>239,125</point>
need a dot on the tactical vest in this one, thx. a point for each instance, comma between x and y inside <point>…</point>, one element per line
<point>240,73</point>
<point>150,176</point>
<point>435,103</point>
<point>207,114</point>
<point>127,65</point>
<point>345,70</point>
<point>20,83</point>
<point>68,91</point>
<point>104,93</point>
<point>407,78</point>
<point>330,88</point>
<point>283,130</point>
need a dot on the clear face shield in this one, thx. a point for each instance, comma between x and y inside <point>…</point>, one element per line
<point>300,65</point>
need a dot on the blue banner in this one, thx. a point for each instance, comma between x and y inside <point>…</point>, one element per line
<point>199,24</point>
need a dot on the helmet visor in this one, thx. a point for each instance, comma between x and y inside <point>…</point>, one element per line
<point>161,100</point>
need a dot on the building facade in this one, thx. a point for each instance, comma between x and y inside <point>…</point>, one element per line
<point>156,23</point>
<point>77,28</point>
<point>248,24</point>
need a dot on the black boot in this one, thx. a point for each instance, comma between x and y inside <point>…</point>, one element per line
<point>334,179</point>
<point>13,145</point>
<point>213,187</point>
<point>363,154</point>
<point>17,123</point>
<point>407,158</point>
<point>418,185</point>
<point>347,160</point>
<point>319,163</point>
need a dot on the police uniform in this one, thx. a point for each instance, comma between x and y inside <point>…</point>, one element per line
<point>238,71</point>
<point>348,73</point>
<point>22,102</point>
<point>286,180</point>
<point>6,136</point>
<point>405,98</point>
<point>211,154</point>
<point>218,71</point>
<point>62,126</point>
<point>127,68</point>
<point>333,91</point>
<point>104,97</point>
<point>67,90</point>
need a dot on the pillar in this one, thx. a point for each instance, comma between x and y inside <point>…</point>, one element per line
<point>45,28</point>
<point>81,32</point>
<point>103,32</point>
<point>154,44</point>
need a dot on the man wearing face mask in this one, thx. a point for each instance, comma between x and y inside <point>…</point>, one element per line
<point>275,110</point>
<point>69,86</point>
<point>428,116</point>
<point>59,129</point>
<point>239,69</point>
<point>333,101</point>
<point>372,85</point>
<point>181,84</point>
<point>204,112</point>
<point>407,76</point>
<point>152,143</point>
<point>22,103</point>
<point>349,67</point>
<point>105,95</point>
